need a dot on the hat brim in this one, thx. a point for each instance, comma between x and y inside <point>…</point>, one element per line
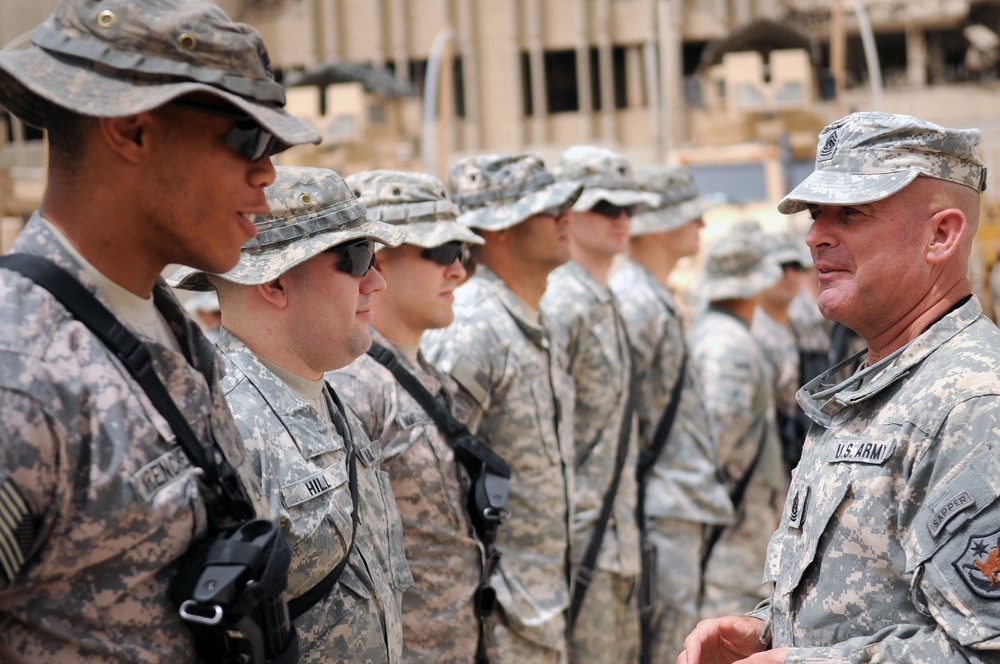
<point>642,200</point>
<point>672,217</point>
<point>500,217</point>
<point>32,78</point>
<point>837,188</point>
<point>427,234</point>
<point>739,287</point>
<point>261,267</point>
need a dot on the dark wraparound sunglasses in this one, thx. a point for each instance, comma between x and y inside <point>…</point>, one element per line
<point>447,253</point>
<point>355,257</point>
<point>610,210</point>
<point>246,136</point>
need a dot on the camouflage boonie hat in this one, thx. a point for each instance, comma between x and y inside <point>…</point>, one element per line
<point>416,202</point>
<point>120,57</point>
<point>866,157</point>
<point>312,209</point>
<point>497,191</point>
<point>736,266</point>
<point>783,248</point>
<point>680,203</point>
<point>605,176</point>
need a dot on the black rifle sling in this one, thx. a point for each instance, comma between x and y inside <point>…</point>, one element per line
<point>488,472</point>
<point>305,601</point>
<point>585,570</point>
<point>134,354</point>
<point>648,457</point>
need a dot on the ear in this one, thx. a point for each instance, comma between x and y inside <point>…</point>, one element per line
<point>274,293</point>
<point>125,135</point>
<point>948,228</point>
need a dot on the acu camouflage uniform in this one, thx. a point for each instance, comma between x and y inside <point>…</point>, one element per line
<point>739,397</point>
<point>683,488</point>
<point>99,502</point>
<point>522,400</point>
<point>428,483</point>
<point>889,543</point>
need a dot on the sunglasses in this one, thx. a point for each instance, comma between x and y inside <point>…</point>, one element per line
<point>356,258</point>
<point>610,210</point>
<point>447,253</point>
<point>246,136</point>
<point>794,266</point>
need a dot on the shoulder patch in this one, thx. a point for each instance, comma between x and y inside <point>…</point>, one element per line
<point>471,378</point>
<point>979,565</point>
<point>17,530</point>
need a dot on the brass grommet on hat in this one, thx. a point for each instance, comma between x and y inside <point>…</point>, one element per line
<point>186,41</point>
<point>306,199</point>
<point>107,19</point>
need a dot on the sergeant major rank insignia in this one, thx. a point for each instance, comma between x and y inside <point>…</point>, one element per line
<point>979,565</point>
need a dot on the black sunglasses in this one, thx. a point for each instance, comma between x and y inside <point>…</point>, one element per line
<point>246,136</point>
<point>610,210</point>
<point>355,257</point>
<point>793,265</point>
<point>447,253</point>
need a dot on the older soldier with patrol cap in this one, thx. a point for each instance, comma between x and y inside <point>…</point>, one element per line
<point>161,117</point>
<point>739,396</point>
<point>602,620</point>
<point>517,394</point>
<point>299,304</point>
<point>888,545</point>
<point>429,482</point>
<point>680,492</point>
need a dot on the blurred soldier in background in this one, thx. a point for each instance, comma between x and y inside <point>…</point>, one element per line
<point>740,400</point>
<point>602,620</point>
<point>298,304</point>
<point>679,487</point>
<point>446,559</point>
<point>518,395</point>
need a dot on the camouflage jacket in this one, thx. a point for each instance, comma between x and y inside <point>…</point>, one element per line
<point>782,354</point>
<point>888,546</point>
<point>429,486</point>
<point>683,483</point>
<point>99,502</point>
<point>302,466</point>
<point>522,401</point>
<point>740,402</point>
<point>584,318</point>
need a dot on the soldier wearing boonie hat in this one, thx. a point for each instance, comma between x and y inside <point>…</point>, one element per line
<point>444,555</point>
<point>584,315</point>
<point>298,304</point>
<point>160,117</point>
<point>500,354</point>
<point>888,513</point>
<point>739,398</point>
<point>682,490</point>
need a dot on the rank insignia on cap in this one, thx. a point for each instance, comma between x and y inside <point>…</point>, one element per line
<point>826,152</point>
<point>979,565</point>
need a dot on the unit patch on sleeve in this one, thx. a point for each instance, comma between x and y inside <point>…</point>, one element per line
<point>979,565</point>
<point>946,509</point>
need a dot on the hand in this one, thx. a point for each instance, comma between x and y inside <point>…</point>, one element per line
<point>727,641</point>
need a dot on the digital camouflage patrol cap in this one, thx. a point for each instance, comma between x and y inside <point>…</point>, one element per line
<point>497,191</point>
<point>736,266</point>
<point>120,57</point>
<point>679,204</point>
<point>312,209</point>
<point>417,203</point>
<point>604,175</point>
<point>866,157</point>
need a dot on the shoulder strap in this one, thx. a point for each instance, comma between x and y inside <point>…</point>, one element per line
<point>649,456</point>
<point>585,570</point>
<point>305,601</point>
<point>134,354</point>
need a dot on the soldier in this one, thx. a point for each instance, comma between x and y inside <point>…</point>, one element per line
<point>740,399</point>
<point>298,304</point>
<point>887,549</point>
<point>603,619</point>
<point>440,624</point>
<point>518,397</point>
<point>677,463</point>
<point>158,153</point>
<point>772,329</point>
